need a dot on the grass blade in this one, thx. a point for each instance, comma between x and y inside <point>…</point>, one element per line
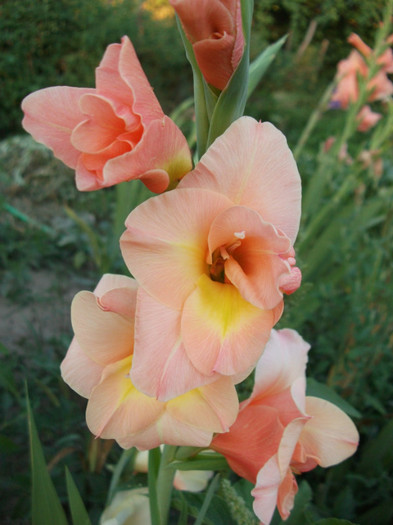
<point>46,506</point>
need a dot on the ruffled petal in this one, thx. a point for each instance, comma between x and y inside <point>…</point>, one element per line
<point>161,158</point>
<point>221,331</point>
<point>254,264</point>
<point>252,440</point>
<point>329,436</point>
<point>50,116</point>
<point>165,243</point>
<point>103,335</point>
<point>161,367</point>
<point>283,361</point>
<point>145,102</point>
<point>253,166</point>
<point>80,372</point>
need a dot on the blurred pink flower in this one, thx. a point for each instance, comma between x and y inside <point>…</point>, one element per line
<point>214,28</point>
<point>279,431</point>
<point>385,59</point>
<point>113,133</point>
<point>367,118</point>
<point>97,367</point>
<point>213,258</point>
<point>348,70</point>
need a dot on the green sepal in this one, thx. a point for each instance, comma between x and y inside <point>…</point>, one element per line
<point>201,114</point>
<point>232,100</point>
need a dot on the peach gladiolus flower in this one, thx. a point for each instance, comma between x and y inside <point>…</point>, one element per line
<point>97,367</point>
<point>348,70</point>
<point>385,60</point>
<point>213,258</point>
<point>279,431</point>
<point>113,133</point>
<point>367,118</point>
<point>214,28</point>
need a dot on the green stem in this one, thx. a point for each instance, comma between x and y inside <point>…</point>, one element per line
<point>314,118</point>
<point>154,466</point>
<point>164,484</point>
<point>125,458</point>
<point>324,213</point>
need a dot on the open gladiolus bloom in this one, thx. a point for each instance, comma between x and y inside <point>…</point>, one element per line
<point>113,133</point>
<point>97,366</point>
<point>159,354</point>
<point>279,431</point>
<point>213,259</point>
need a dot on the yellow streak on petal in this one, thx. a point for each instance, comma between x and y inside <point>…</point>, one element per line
<point>223,307</point>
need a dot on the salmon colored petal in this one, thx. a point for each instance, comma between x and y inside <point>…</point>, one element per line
<point>214,28</point>
<point>188,420</point>
<point>204,18</point>
<point>251,441</point>
<point>283,361</point>
<point>104,336</point>
<point>145,102</point>
<point>274,473</point>
<point>214,58</point>
<point>89,169</point>
<point>253,166</point>
<point>285,402</point>
<point>161,158</point>
<point>109,281</point>
<point>265,492</point>
<point>101,125</point>
<point>116,408</point>
<point>330,435</point>
<point>221,331</point>
<point>213,407</point>
<point>165,243</point>
<point>367,118</point>
<point>117,293</point>
<point>50,116</point>
<point>80,372</point>
<point>253,248</point>
<point>169,431</point>
<point>108,78</point>
<point>161,367</point>
<point>286,494</point>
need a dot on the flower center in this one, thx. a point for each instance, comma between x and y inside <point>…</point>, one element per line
<point>221,254</point>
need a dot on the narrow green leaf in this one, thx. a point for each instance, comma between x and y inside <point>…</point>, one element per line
<point>78,510</point>
<point>316,389</point>
<point>209,495</point>
<point>378,452</point>
<point>333,521</point>
<point>46,506</point>
<point>261,64</point>
<point>126,457</point>
<point>93,238</point>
